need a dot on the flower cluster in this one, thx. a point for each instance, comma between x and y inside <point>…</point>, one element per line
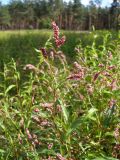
<point>32,137</point>
<point>117,132</point>
<point>116,151</point>
<point>20,139</point>
<point>79,72</point>
<point>60,157</point>
<point>30,67</point>
<point>44,52</point>
<point>58,41</point>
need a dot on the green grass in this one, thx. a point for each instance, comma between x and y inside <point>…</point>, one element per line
<point>20,44</point>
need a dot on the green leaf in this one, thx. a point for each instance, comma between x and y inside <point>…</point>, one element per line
<point>109,134</point>
<point>9,88</point>
<point>48,44</point>
<point>38,51</point>
<point>64,110</point>
<point>2,151</point>
<point>91,114</point>
<point>107,92</point>
<point>76,123</point>
<point>108,116</point>
<point>105,158</point>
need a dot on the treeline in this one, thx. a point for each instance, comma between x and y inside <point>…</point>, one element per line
<point>37,14</point>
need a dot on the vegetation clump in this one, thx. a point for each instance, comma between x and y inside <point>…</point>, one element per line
<point>62,111</point>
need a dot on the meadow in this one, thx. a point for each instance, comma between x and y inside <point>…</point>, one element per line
<point>59,99</point>
<point>20,44</point>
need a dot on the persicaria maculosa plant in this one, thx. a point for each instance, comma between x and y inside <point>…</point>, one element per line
<point>62,111</point>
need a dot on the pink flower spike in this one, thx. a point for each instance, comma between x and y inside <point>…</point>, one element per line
<point>30,67</point>
<point>28,134</point>
<point>50,145</point>
<point>20,139</point>
<point>58,41</point>
<point>96,76</point>
<point>111,67</point>
<point>101,65</point>
<point>44,52</point>
<point>60,157</point>
<point>75,77</point>
<point>36,110</point>
<point>113,85</point>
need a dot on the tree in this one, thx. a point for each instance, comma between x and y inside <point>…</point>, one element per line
<point>115,14</point>
<point>56,8</point>
<point>77,14</point>
<point>92,14</point>
<point>4,17</point>
<point>26,14</point>
<point>17,12</point>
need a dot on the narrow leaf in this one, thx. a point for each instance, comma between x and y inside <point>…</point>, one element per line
<point>9,88</point>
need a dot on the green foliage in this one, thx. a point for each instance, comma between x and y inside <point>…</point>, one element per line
<point>71,15</point>
<point>58,110</point>
<point>20,44</point>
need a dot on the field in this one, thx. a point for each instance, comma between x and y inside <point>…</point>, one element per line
<point>59,101</point>
<point>20,44</point>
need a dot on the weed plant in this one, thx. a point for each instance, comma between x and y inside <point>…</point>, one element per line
<point>62,111</point>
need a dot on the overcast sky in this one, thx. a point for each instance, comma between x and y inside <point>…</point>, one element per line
<point>105,2</point>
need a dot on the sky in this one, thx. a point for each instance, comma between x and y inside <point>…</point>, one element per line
<point>85,2</point>
<point>104,2</point>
